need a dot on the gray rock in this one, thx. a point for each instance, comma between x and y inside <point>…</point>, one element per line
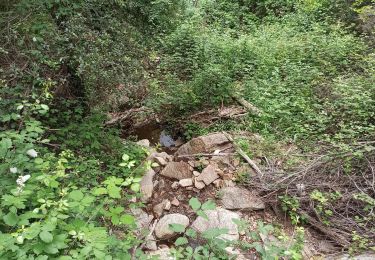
<point>177,170</point>
<point>363,256</point>
<point>162,230</point>
<point>151,244</point>
<point>240,198</point>
<point>147,186</point>
<point>175,185</point>
<point>166,140</point>
<point>143,220</point>
<point>162,254</point>
<point>205,144</point>
<point>218,218</point>
<point>144,142</point>
<point>161,161</point>
<point>199,184</point>
<point>208,175</point>
<point>196,174</point>
<point>186,182</point>
<point>159,208</point>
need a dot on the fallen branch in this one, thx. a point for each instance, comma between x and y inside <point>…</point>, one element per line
<point>245,156</point>
<point>250,107</point>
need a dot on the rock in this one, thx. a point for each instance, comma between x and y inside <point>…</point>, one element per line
<point>151,243</point>
<point>218,218</point>
<point>228,183</point>
<point>143,220</point>
<point>163,155</point>
<point>177,170</point>
<point>240,198</point>
<point>162,254</point>
<point>161,161</point>
<point>186,182</point>
<point>175,185</point>
<point>196,174</point>
<point>159,208</point>
<point>205,144</point>
<point>167,205</point>
<point>147,186</point>
<point>218,183</point>
<point>166,140</point>
<point>175,202</point>
<point>144,142</point>
<point>162,230</point>
<point>199,184</point>
<point>363,256</point>
<point>208,175</point>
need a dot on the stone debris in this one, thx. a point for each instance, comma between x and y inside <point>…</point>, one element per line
<point>161,161</point>
<point>175,185</point>
<point>205,144</point>
<point>208,175</point>
<point>175,202</point>
<point>159,208</point>
<point>186,182</point>
<point>177,170</point>
<point>196,173</point>
<point>144,142</point>
<point>218,218</point>
<point>199,184</point>
<point>162,254</point>
<point>162,229</point>
<point>240,198</point>
<point>146,185</point>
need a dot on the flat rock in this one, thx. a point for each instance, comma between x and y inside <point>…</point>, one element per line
<point>159,208</point>
<point>240,198</point>
<point>199,184</point>
<point>205,144</point>
<point>161,161</point>
<point>363,256</point>
<point>144,142</point>
<point>218,218</point>
<point>186,182</point>
<point>208,175</point>
<point>151,243</point>
<point>147,185</point>
<point>162,230</point>
<point>143,220</point>
<point>177,170</point>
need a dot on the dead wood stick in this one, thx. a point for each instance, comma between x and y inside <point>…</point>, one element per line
<point>245,156</point>
<point>250,107</point>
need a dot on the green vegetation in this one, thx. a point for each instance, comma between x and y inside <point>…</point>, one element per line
<point>67,179</point>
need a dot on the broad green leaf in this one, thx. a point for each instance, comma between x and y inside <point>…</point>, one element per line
<point>46,236</point>
<point>191,233</point>
<point>125,157</point>
<point>114,191</point>
<point>99,191</point>
<point>127,219</point>
<point>177,228</point>
<point>214,232</point>
<point>181,241</point>
<point>202,214</point>
<point>208,205</point>
<point>135,187</point>
<point>76,195</point>
<point>10,219</point>
<point>194,203</point>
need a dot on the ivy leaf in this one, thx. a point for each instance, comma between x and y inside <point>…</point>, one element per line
<point>178,228</point>
<point>194,204</point>
<point>181,241</point>
<point>208,205</point>
<point>46,236</point>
